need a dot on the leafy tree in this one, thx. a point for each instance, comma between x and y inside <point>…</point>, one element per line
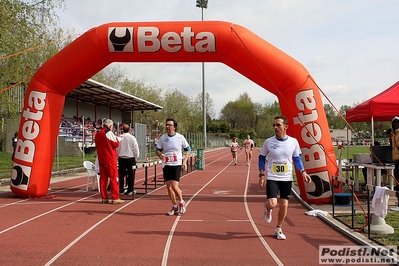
<point>209,105</point>
<point>178,106</point>
<point>240,114</point>
<point>28,37</point>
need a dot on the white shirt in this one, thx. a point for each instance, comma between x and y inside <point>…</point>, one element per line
<point>172,148</point>
<point>128,146</point>
<point>234,146</point>
<point>247,144</point>
<point>279,155</point>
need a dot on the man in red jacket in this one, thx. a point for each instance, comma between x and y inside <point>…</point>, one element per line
<point>106,144</point>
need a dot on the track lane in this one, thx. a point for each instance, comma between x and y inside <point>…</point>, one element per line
<point>223,225</point>
<point>217,224</point>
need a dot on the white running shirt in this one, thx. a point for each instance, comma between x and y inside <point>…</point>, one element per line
<point>279,155</point>
<point>172,148</point>
<point>234,146</point>
<point>247,144</point>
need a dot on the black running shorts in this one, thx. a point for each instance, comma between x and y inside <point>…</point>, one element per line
<point>171,173</point>
<point>273,187</point>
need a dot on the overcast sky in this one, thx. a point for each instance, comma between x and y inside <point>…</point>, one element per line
<point>351,48</point>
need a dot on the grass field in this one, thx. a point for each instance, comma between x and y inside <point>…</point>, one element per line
<point>60,164</point>
<point>348,152</point>
<point>360,222</point>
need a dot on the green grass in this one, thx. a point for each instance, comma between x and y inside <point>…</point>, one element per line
<point>360,222</point>
<point>63,163</point>
<point>348,152</point>
<point>5,165</point>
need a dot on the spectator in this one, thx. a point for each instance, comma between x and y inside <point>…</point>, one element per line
<point>128,152</point>
<point>107,143</point>
<point>14,144</point>
<point>395,156</point>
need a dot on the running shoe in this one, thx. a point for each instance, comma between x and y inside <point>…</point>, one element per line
<point>267,215</point>
<point>395,209</point>
<point>104,201</point>
<point>182,207</point>
<point>173,211</point>
<point>278,232</point>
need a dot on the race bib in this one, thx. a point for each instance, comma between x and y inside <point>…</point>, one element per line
<point>279,168</point>
<point>170,158</point>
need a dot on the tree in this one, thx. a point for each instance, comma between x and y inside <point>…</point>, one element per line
<point>178,106</point>
<point>209,105</point>
<point>28,37</point>
<point>240,113</point>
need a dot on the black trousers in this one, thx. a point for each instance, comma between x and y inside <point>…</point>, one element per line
<point>396,175</point>
<point>125,168</point>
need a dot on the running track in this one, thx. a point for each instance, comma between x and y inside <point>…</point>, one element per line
<point>223,224</point>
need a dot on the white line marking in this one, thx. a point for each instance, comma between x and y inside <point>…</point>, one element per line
<point>43,214</point>
<point>94,226</point>
<point>172,230</point>
<point>274,256</point>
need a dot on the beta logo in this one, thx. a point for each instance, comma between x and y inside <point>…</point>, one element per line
<point>20,176</point>
<point>26,145</point>
<point>150,40</point>
<point>320,186</point>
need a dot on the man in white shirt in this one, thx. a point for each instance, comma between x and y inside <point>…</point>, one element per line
<point>276,160</point>
<point>170,150</point>
<point>128,152</point>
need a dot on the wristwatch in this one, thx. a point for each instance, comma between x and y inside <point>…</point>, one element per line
<point>260,175</point>
<point>303,171</point>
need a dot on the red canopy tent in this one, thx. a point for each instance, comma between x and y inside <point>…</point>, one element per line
<point>382,107</point>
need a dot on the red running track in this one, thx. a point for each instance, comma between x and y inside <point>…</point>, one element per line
<point>223,224</point>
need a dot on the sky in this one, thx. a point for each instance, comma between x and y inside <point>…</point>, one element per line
<point>349,47</point>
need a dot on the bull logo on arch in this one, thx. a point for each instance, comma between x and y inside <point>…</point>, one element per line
<point>183,41</point>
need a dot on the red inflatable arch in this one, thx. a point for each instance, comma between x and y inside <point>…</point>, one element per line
<point>185,41</point>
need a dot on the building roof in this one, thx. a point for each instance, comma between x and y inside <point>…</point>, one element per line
<point>94,92</point>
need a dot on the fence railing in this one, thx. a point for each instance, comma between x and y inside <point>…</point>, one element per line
<point>153,173</point>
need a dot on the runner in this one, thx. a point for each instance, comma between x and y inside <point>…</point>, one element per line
<point>248,146</point>
<point>234,149</point>
<point>170,150</point>
<point>281,151</point>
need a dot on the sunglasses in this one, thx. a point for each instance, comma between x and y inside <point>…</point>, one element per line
<point>169,125</point>
<point>277,125</point>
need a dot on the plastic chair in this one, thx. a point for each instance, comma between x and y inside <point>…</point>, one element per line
<point>91,172</point>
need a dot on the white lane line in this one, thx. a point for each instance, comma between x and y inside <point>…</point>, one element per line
<point>261,238</point>
<point>59,254</point>
<point>106,218</point>
<point>172,230</point>
<point>214,221</point>
<point>43,214</point>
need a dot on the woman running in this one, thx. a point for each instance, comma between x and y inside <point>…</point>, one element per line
<point>234,148</point>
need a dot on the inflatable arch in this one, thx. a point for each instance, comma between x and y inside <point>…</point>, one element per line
<point>185,41</point>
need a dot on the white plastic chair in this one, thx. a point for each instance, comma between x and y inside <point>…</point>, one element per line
<point>91,172</point>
